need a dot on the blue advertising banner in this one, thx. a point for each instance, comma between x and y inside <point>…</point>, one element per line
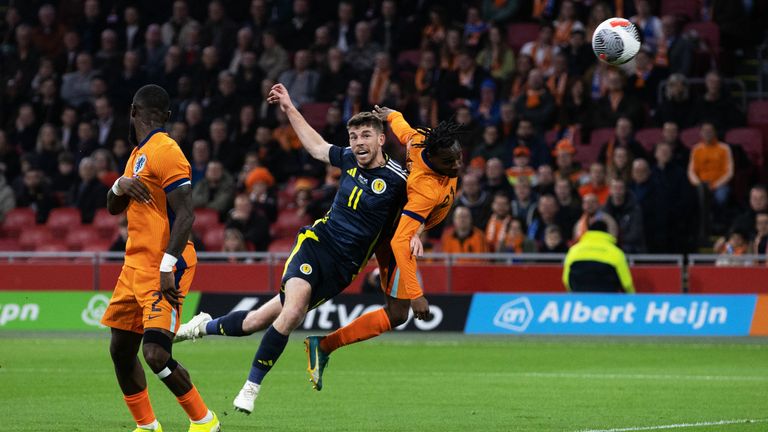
<point>612,314</point>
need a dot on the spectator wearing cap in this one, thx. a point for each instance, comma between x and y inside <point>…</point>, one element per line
<point>566,166</point>
<point>463,237</point>
<point>486,110</point>
<point>216,190</point>
<point>591,212</point>
<point>259,184</point>
<point>496,57</point>
<point>536,103</point>
<point>595,264</point>
<point>597,184</point>
<point>526,136</point>
<point>711,165</point>
<point>521,166</point>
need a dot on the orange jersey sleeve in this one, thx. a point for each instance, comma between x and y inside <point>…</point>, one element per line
<point>402,130</point>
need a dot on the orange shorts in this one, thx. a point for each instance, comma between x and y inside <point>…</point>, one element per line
<point>138,304</point>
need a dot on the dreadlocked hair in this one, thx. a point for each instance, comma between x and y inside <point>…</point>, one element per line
<point>441,136</point>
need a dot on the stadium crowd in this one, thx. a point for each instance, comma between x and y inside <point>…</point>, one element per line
<point>554,139</point>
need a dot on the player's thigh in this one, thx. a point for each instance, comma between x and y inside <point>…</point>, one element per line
<point>295,296</point>
<point>124,312</point>
<point>262,317</point>
<point>157,312</point>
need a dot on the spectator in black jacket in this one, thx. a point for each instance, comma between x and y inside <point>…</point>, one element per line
<point>628,215</point>
<point>89,194</point>
<point>33,191</point>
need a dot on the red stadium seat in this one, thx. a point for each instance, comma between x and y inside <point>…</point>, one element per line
<point>214,238</point>
<point>587,154</point>
<point>9,244</point>
<point>31,237</point>
<point>598,137</point>
<point>106,224</point>
<point>409,59</point>
<point>520,33</point>
<point>205,218</point>
<point>316,114</point>
<point>100,246</point>
<point>55,246</point>
<point>18,219</point>
<point>61,220</point>
<point>690,137</point>
<point>281,245</point>
<point>686,8</point>
<point>751,140</point>
<point>648,137</point>
<point>757,116</point>
<point>288,223</point>
<point>82,236</point>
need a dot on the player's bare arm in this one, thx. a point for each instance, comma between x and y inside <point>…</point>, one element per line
<point>180,201</point>
<point>315,145</point>
<point>125,189</point>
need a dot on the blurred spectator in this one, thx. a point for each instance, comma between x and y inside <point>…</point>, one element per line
<point>716,106</point>
<point>324,195</point>
<point>496,179</point>
<point>496,57</point>
<point>126,84</point>
<point>391,30</point>
<point>24,132</point>
<point>266,113</point>
<point>645,80</point>
<point>670,224</point>
<point>344,26</point>
<point>508,121</point>
<point>233,242</point>
<point>7,199</point>
<point>547,213</point>
<point>352,103</point>
<point>736,244</point>
<point>218,30</point>
<point>624,137</point>
<point>486,109</point>
<point>557,83</point>
<point>66,61</point>
<point>361,55</point>
<point>474,198</point>
<point>301,81</point>
<point>254,227</point>
<point>69,123</point>
<point>110,128</point>
<point>524,203</point>
<point>225,102</point>
<point>429,75</point>
<point>298,32</point>
<point>677,106</point>
<point>595,264</point>
<point>516,240</point>
<point>544,180</point>
<point>47,104</point>
<point>463,237</point>
<point>758,203</point>
<point>222,149</point>
<point>542,50</point>
<point>433,33</point>
<point>647,24</point>
<point>76,86</point>
<point>759,240</point>
<point>122,153</point>
<point>48,148</point>
<point>273,59</point>
<point>335,131</point>
<point>463,84</point>
<point>216,190</point>
<point>576,110</point>
<point>629,217</point>
<point>89,194</point>
<point>711,165</point>
<point>334,77</point>
<point>499,11</point>
<point>380,80</point>
<point>670,135</point>
<point>566,23</point>
<point>553,241</point>
<point>521,167</point>
<point>570,207</point>
<point>131,36</point>
<point>33,191</point>
<point>498,223</point>
<point>108,59</point>
<point>519,81</point>
<point>592,212</point>
<point>474,28</point>
<point>526,136</point>
<point>616,103</point>
<point>201,155</point>
<point>450,49</point>
<point>491,147</point>
<point>118,245</point>
<point>578,53</point>
<point>674,50</point>
<point>620,165</point>
<point>536,103</point>
<point>65,177</point>
<point>106,168</point>
<point>249,76</point>
<point>175,30</point>
<point>49,33</point>
<point>597,183</point>
<point>566,167</point>
<point>86,139</point>
<point>153,51</point>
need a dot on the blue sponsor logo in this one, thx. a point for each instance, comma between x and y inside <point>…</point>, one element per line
<point>612,314</point>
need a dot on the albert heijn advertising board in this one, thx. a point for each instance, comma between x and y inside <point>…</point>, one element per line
<point>614,314</point>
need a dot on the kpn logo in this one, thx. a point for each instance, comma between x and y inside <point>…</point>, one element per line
<point>515,315</point>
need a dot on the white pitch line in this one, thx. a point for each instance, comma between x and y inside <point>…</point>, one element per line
<point>679,425</point>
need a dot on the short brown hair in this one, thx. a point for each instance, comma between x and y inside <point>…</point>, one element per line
<point>366,118</point>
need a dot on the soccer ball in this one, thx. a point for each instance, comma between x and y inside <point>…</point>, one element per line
<point>616,41</point>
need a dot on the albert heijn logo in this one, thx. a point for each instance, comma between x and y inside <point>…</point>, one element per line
<point>515,315</point>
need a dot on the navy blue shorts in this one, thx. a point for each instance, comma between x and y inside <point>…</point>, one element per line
<point>318,265</point>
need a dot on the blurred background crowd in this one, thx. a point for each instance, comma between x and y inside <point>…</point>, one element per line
<point>667,150</point>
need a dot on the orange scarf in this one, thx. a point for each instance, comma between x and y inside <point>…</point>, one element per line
<point>533,98</point>
<point>557,86</point>
<point>379,83</point>
<point>496,231</point>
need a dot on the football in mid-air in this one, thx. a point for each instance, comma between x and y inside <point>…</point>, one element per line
<point>616,41</point>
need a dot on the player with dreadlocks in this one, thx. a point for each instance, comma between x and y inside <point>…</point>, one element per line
<point>433,158</point>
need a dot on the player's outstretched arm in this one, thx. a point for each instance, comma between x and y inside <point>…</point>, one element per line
<point>315,145</point>
<point>180,201</point>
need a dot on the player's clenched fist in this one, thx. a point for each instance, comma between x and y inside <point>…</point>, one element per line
<point>134,188</point>
<point>279,95</point>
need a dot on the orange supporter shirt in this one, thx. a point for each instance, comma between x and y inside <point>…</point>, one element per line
<point>600,191</point>
<point>430,198</point>
<point>474,243</point>
<point>710,163</point>
<point>159,163</point>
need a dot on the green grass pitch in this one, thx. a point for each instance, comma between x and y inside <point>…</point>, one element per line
<point>436,382</point>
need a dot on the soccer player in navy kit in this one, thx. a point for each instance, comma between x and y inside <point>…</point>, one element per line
<point>327,255</point>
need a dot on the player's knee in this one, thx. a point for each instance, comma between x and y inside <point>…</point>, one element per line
<point>293,316</point>
<point>157,350</point>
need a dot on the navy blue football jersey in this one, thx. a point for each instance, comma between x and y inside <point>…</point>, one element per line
<point>365,208</point>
